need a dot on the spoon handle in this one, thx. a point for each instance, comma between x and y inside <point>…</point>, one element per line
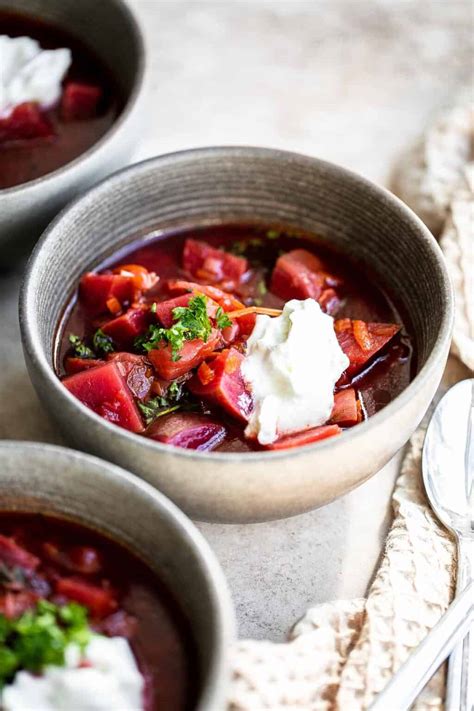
<point>459,681</point>
<point>420,666</point>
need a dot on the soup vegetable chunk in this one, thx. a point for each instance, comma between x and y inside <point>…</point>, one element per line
<point>233,338</point>
<point>84,625</point>
<point>56,99</point>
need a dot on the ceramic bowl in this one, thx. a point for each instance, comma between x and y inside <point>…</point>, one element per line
<point>109,28</point>
<point>204,186</point>
<point>45,479</point>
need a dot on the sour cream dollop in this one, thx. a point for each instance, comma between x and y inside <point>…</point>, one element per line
<point>110,681</point>
<point>29,73</point>
<point>292,363</point>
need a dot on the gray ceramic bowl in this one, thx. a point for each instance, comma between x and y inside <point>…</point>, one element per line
<point>230,184</point>
<point>45,479</point>
<point>109,28</point>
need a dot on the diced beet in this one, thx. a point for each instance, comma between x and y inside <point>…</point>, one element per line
<point>373,336</point>
<point>301,275</point>
<point>164,309</point>
<point>307,437</point>
<point>345,411</point>
<point>79,101</point>
<point>26,122</point>
<point>13,555</point>
<point>13,604</point>
<point>104,390</point>
<point>77,365</point>
<point>212,265</point>
<point>188,431</point>
<point>124,329</point>
<point>220,381</point>
<point>96,289</point>
<point>136,370</point>
<point>191,354</point>
<point>99,602</point>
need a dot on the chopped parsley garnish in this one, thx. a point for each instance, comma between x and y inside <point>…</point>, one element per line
<point>39,637</point>
<point>190,322</point>
<point>80,348</point>
<point>102,342</point>
<point>273,234</point>
<point>222,320</point>
<point>174,399</point>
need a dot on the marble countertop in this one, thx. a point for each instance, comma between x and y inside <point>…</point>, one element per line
<point>352,82</point>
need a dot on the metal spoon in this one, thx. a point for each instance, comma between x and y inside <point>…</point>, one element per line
<point>448,474</point>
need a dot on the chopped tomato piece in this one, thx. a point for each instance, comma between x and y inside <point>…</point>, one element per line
<point>13,555</point>
<point>212,265</point>
<point>79,101</point>
<point>345,411</point>
<point>95,290</point>
<point>220,381</point>
<point>307,437</point>
<point>100,602</point>
<point>188,430</point>
<point>300,275</point>
<point>191,354</point>
<point>164,309</point>
<point>26,122</point>
<point>136,370</point>
<point>375,334</point>
<point>76,365</point>
<point>103,389</point>
<point>124,329</point>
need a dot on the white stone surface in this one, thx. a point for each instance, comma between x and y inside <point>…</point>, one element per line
<point>350,81</point>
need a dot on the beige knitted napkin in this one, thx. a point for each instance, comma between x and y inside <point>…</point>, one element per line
<point>342,653</point>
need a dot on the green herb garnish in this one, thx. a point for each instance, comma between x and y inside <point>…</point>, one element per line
<point>172,400</point>
<point>102,342</point>
<point>80,348</point>
<point>222,320</point>
<point>40,637</point>
<point>190,322</point>
<point>273,234</point>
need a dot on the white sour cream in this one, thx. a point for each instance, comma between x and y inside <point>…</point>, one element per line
<point>112,681</point>
<point>292,363</point>
<point>29,73</point>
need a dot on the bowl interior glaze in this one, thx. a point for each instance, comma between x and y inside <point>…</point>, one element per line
<point>207,186</point>
<point>45,479</point>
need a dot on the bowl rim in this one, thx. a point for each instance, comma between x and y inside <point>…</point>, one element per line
<point>135,94</point>
<point>221,601</point>
<point>32,342</point>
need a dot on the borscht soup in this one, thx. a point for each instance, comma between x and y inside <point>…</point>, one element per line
<point>86,624</point>
<point>56,98</point>
<point>232,338</point>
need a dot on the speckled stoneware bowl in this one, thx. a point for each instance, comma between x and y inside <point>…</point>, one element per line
<point>110,30</point>
<point>230,184</point>
<point>41,478</point>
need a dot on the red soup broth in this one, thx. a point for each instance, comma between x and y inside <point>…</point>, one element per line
<point>145,612</point>
<point>385,376</point>
<point>26,159</point>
